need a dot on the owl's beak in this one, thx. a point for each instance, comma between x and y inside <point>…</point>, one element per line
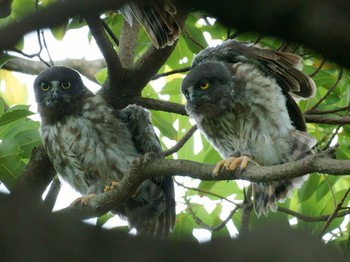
<point>55,97</point>
<point>193,99</point>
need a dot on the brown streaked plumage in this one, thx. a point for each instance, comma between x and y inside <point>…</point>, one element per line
<point>92,146</point>
<point>239,96</point>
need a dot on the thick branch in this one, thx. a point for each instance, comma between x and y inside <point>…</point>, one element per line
<point>148,65</point>
<point>318,24</point>
<point>86,67</point>
<point>53,15</point>
<point>331,120</point>
<point>37,175</point>
<point>161,105</point>
<point>127,44</point>
<point>148,167</point>
<point>114,66</point>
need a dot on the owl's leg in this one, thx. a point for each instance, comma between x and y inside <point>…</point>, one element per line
<point>111,186</point>
<point>231,163</point>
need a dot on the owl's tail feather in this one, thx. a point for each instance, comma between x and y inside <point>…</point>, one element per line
<point>156,18</point>
<point>152,210</point>
<point>266,194</point>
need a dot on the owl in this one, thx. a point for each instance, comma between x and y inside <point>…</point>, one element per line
<point>92,146</point>
<point>157,18</point>
<point>240,96</point>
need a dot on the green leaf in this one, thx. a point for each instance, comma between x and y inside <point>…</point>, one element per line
<point>308,189</point>
<point>101,76</point>
<point>103,219</point>
<point>183,228</point>
<point>59,31</point>
<point>13,115</point>
<point>164,123</point>
<point>10,162</point>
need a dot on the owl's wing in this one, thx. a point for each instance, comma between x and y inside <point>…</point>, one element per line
<point>157,214</point>
<point>157,18</point>
<point>284,67</point>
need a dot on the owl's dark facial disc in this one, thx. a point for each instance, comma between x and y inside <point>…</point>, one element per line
<point>58,85</point>
<point>59,91</point>
<point>205,84</point>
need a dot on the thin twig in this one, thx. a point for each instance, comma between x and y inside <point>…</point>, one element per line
<point>46,48</point>
<point>318,68</point>
<point>206,226</point>
<point>340,75</point>
<point>330,140</point>
<point>333,215</point>
<point>206,192</point>
<point>318,112</point>
<point>308,218</point>
<point>192,39</point>
<point>181,142</point>
<point>181,70</point>
<point>331,189</point>
<point>110,32</point>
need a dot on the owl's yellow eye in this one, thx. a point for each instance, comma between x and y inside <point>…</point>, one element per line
<point>65,84</point>
<point>204,85</point>
<point>45,86</point>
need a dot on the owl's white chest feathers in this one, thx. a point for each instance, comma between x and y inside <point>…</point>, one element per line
<point>257,124</point>
<point>94,147</point>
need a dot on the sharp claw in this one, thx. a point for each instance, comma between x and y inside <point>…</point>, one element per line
<point>217,167</point>
<point>111,186</point>
<point>231,164</point>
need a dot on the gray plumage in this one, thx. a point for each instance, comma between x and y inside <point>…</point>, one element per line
<point>91,146</point>
<point>239,96</point>
<point>157,18</point>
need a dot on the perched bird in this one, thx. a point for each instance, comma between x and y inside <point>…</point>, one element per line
<point>91,147</point>
<point>240,97</point>
<point>157,18</point>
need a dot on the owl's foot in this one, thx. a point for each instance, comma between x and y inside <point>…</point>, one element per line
<point>83,200</point>
<point>111,186</point>
<point>231,164</point>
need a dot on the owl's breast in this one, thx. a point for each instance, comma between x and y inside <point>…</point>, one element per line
<point>90,148</point>
<point>236,134</point>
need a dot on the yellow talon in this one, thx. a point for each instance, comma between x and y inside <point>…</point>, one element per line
<point>231,164</point>
<point>111,186</point>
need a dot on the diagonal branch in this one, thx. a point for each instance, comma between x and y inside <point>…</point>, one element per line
<point>114,66</point>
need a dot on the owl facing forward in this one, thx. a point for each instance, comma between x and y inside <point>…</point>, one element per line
<point>91,146</point>
<point>240,98</point>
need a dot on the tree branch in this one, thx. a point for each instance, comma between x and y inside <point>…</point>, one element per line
<point>127,45</point>
<point>148,166</point>
<point>114,66</point>
<point>51,16</point>
<point>181,142</point>
<point>86,67</point>
<point>36,177</point>
<point>299,21</point>
<point>147,65</point>
<point>330,120</point>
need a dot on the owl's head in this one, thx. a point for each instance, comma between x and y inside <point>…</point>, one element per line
<point>59,90</point>
<point>207,86</point>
